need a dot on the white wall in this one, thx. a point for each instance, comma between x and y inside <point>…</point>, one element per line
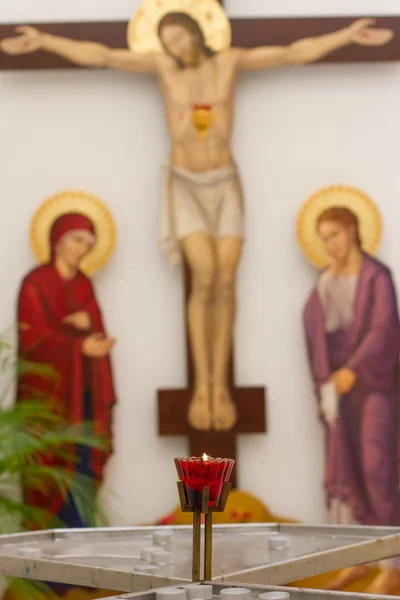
<point>296,130</point>
<point>290,8</point>
<point>45,10</point>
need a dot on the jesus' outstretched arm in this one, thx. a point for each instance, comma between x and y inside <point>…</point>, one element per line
<point>86,54</point>
<point>313,49</point>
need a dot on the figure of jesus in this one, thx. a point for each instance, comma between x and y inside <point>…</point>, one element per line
<point>203,209</point>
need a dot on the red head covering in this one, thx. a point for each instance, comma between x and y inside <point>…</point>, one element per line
<point>68,222</point>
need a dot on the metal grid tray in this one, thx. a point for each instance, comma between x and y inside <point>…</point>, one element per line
<point>256,590</point>
<point>110,558</point>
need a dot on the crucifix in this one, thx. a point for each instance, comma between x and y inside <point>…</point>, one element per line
<point>197,62</point>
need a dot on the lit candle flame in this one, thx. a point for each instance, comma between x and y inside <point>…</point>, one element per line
<point>205,457</point>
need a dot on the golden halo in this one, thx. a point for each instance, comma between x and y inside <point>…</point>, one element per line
<point>213,20</point>
<point>86,204</point>
<point>370,221</point>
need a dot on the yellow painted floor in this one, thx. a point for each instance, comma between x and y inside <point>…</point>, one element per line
<point>319,582</point>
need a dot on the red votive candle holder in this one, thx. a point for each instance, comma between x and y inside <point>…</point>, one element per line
<point>198,473</point>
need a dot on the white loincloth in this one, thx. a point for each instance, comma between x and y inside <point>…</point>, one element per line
<point>210,202</point>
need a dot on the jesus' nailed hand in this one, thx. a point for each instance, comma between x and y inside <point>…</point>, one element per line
<point>204,215</point>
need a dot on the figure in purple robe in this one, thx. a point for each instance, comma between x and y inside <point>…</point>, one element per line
<point>353,339</point>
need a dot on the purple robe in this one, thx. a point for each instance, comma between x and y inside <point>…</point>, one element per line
<point>362,448</point>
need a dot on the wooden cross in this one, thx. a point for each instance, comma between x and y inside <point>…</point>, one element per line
<point>247,32</point>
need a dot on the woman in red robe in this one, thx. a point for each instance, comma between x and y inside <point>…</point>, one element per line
<point>61,326</point>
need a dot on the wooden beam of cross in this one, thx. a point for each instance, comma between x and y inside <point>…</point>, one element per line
<point>247,33</point>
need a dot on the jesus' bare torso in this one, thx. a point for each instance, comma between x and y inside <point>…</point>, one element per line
<point>211,83</point>
<point>190,74</point>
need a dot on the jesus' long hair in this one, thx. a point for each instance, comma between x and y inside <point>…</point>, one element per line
<point>345,217</point>
<point>192,26</point>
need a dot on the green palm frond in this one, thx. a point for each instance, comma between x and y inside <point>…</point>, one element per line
<point>5,345</point>
<point>20,512</point>
<point>30,433</point>
<point>25,367</point>
<point>24,412</point>
<point>21,442</point>
<point>30,589</point>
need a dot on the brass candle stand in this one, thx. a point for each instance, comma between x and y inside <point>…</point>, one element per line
<point>200,506</point>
